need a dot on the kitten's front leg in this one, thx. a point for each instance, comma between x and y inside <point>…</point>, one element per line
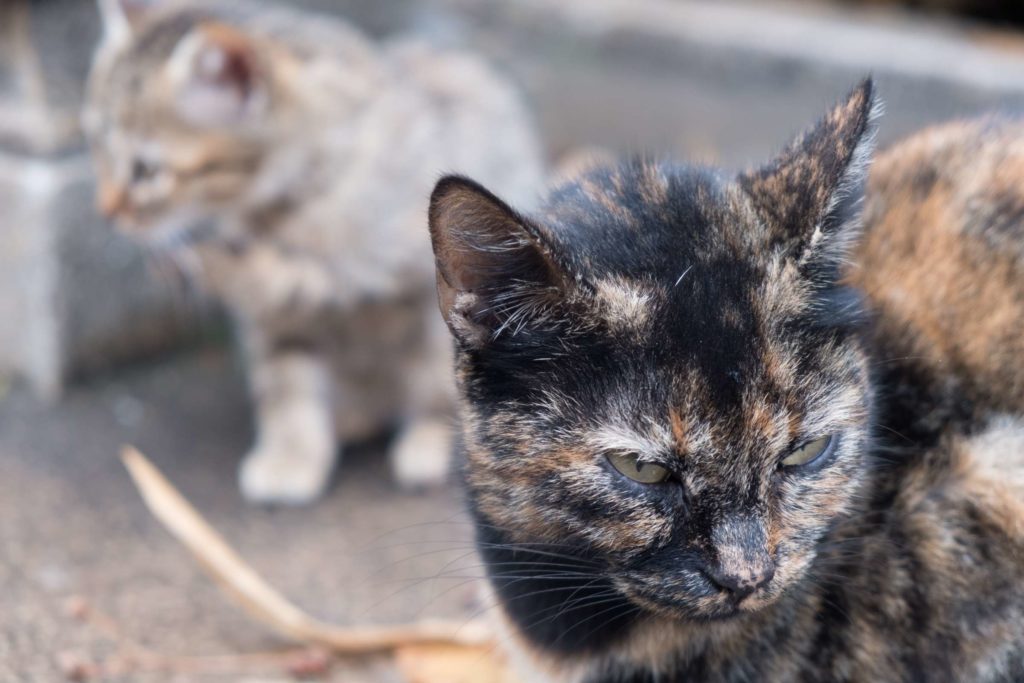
<point>295,448</point>
<point>421,453</point>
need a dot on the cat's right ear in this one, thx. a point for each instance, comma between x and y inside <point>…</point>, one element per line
<point>496,270</point>
<point>122,17</point>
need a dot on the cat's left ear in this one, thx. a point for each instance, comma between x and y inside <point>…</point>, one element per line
<point>809,196</point>
<point>217,76</point>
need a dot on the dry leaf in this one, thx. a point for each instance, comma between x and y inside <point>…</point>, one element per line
<point>267,605</point>
<point>452,664</point>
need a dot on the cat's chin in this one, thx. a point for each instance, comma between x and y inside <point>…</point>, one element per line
<point>177,230</point>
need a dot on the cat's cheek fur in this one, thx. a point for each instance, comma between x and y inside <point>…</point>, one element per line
<point>809,505</point>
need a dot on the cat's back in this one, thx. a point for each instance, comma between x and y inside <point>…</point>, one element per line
<point>478,119</point>
<point>942,267</point>
<point>424,110</point>
<point>399,112</point>
<point>942,263</point>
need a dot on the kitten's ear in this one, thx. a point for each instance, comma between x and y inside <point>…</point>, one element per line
<point>122,17</point>
<point>216,75</point>
<point>496,270</point>
<point>810,194</point>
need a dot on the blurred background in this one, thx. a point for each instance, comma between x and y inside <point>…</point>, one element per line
<point>98,348</point>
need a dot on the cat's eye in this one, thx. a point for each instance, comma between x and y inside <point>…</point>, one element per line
<point>629,465</point>
<point>808,453</point>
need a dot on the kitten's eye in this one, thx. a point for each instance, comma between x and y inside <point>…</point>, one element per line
<point>629,466</point>
<point>808,453</point>
<point>143,170</point>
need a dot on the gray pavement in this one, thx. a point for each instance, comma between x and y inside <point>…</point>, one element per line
<point>72,525</point>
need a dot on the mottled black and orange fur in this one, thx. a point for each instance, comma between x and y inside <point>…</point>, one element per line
<point>712,323</point>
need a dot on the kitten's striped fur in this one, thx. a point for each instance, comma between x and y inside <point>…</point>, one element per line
<point>286,161</point>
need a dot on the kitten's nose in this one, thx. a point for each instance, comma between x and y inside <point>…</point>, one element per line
<point>740,582</point>
<point>110,198</point>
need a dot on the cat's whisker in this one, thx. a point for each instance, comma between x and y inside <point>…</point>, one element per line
<point>617,606</point>
<point>907,439</point>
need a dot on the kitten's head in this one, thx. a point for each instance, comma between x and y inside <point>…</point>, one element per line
<point>178,115</point>
<point>660,372</point>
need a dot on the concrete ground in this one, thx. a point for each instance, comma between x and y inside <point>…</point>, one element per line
<point>72,527</point>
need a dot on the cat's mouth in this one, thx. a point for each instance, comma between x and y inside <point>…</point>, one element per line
<point>688,599</point>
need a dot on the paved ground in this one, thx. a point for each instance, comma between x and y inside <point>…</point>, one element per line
<point>71,524</point>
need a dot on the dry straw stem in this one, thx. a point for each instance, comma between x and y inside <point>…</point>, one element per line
<point>261,600</point>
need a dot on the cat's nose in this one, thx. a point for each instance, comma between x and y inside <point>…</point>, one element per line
<point>740,582</point>
<point>739,561</point>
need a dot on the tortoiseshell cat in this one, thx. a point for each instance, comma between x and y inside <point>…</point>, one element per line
<point>288,162</point>
<point>691,454</point>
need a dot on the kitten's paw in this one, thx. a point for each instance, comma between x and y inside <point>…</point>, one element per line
<point>421,454</point>
<point>284,476</point>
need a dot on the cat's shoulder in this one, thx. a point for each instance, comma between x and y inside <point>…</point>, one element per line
<point>989,468</point>
<point>967,496</point>
<point>947,567</point>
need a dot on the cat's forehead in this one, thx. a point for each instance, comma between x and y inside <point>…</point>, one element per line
<point>705,328</point>
<point>648,221</point>
<point>676,263</point>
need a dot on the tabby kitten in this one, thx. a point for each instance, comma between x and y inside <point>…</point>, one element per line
<point>287,162</point>
<point>690,453</point>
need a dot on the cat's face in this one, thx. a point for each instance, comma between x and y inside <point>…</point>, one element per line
<point>660,373</point>
<point>175,120</point>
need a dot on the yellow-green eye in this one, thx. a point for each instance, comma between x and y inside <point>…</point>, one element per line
<point>629,466</point>
<point>808,452</point>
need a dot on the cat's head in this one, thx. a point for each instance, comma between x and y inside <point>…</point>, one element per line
<point>179,116</point>
<point>660,372</point>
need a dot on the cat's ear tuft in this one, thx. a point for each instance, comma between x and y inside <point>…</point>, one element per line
<point>122,17</point>
<point>810,195</point>
<point>217,76</point>
<point>496,270</point>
